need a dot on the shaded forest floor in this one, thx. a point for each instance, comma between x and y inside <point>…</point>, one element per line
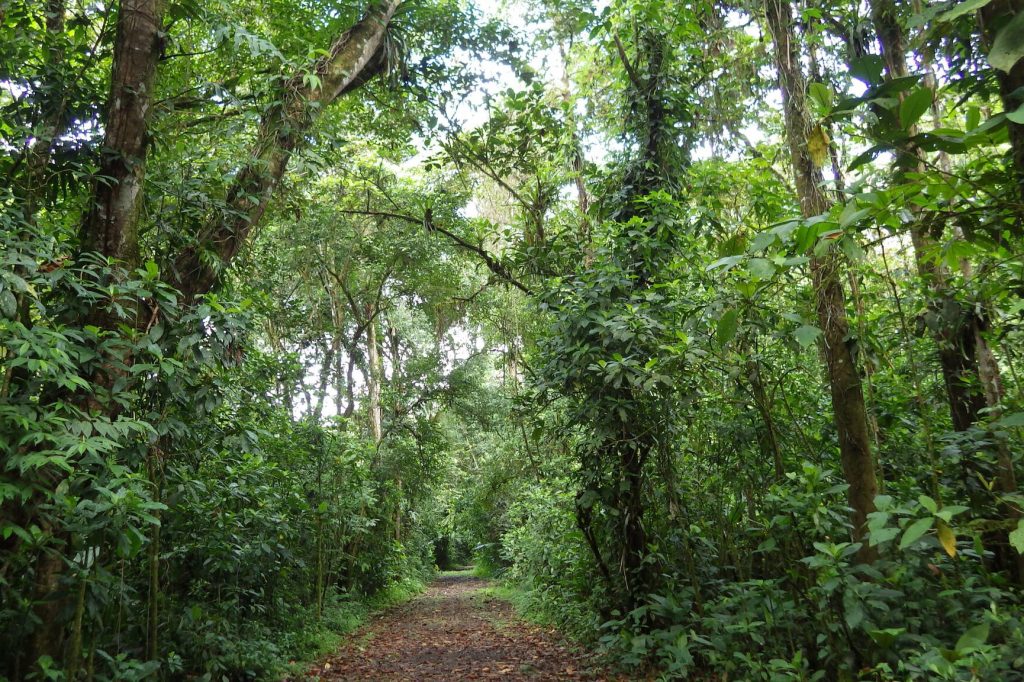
<point>455,630</point>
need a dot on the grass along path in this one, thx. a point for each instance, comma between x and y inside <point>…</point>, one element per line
<point>455,630</point>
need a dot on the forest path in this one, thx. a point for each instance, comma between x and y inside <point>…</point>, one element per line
<point>455,631</point>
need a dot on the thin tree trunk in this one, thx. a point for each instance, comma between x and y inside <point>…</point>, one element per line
<point>767,437</point>
<point>844,380</point>
<point>326,366</point>
<point>155,471</point>
<point>373,375</point>
<point>38,154</point>
<point>953,326</point>
<point>350,391</point>
<point>48,638</point>
<point>577,161</point>
<point>75,645</point>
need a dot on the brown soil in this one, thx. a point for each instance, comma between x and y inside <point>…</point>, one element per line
<point>453,631</point>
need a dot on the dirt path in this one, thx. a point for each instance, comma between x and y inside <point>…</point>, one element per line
<point>454,631</point>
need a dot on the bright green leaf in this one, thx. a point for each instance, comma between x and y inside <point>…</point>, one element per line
<point>914,105</point>
<point>727,325</point>
<point>973,638</point>
<point>962,9</point>
<point>1017,537</point>
<point>806,335</point>
<point>915,530</point>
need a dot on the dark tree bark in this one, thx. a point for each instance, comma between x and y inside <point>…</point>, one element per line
<point>953,327</point>
<point>112,229</point>
<point>112,226</point>
<point>848,406</point>
<point>355,57</point>
<point>373,373</point>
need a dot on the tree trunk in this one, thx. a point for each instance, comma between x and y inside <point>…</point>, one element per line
<point>48,638</point>
<point>848,405</point>
<point>635,571</point>
<point>952,328</point>
<point>354,57</point>
<point>373,375</point>
<point>112,226</point>
<point>767,438</point>
<point>326,367</point>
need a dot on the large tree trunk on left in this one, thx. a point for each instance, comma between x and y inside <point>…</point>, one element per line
<point>112,226</point>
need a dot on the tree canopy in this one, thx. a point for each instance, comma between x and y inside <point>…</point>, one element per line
<point>698,323</point>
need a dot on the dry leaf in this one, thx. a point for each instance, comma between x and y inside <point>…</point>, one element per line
<point>817,146</point>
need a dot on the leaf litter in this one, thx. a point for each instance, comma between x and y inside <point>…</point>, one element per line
<point>455,631</point>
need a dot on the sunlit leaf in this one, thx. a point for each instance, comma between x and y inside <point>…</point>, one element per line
<point>947,538</point>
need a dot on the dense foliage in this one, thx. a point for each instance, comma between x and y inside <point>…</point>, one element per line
<point>700,323</point>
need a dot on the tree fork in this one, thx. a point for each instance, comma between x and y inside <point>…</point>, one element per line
<point>354,58</point>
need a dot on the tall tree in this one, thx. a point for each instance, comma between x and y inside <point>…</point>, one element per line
<point>848,406</point>
<point>955,324</point>
<point>112,225</point>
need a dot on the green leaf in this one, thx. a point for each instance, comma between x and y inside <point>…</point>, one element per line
<point>762,241</point>
<point>821,96</point>
<point>885,638</point>
<point>880,535</point>
<point>973,118</point>
<point>973,638</point>
<point>760,268</point>
<point>1016,116</point>
<point>928,503</point>
<point>851,214</point>
<point>915,531</point>
<point>8,304</point>
<point>727,263</point>
<point>1017,537</point>
<point>1008,46</point>
<point>867,69</point>
<point>806,335</point>
<point>1010,421</point>
<point>727,325</point>
<point>868,156</point>
<point>962,9</point>
<point>914,105</point>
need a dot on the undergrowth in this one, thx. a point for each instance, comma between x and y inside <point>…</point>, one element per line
<point>340,618</point>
